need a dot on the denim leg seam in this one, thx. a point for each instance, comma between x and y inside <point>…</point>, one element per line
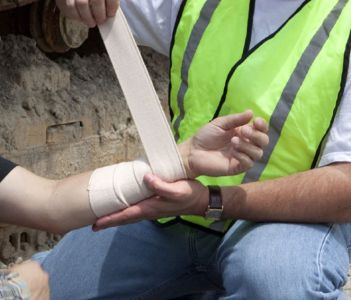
<point>193,254</point>
<point>153,290</point>
<point>319,260</point>
<point>192,246</point>
<point>163,284</point>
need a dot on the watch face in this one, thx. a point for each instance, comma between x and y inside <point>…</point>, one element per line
<point>214,213</point>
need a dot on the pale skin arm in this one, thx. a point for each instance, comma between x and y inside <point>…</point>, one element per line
<point>321,195</point>
<point>61,205</point>
<point>37,202</point>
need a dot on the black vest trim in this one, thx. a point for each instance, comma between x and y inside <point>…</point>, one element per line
<point>231,72</point>
<point>296,80</point>
<point>179,16</point>
<point>341,93</point>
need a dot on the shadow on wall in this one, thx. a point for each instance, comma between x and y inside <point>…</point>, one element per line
<point>17,242</point>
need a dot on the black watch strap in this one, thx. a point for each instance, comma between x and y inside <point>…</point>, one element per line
<point>215,203</point>
<point>215,197</point>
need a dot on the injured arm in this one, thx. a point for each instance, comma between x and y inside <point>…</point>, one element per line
<point>37,202</point>
<point>225,146</point>
<point>227,143</point>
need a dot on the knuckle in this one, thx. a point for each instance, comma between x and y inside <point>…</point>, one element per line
<point>112,3</point>
<point>95,3</point>
<point>81,3</point>
<point>70,4</point>
<point>100,19</point>
<point>217,120</point>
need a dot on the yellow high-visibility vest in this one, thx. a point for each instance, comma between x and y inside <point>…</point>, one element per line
<point>294,79</point>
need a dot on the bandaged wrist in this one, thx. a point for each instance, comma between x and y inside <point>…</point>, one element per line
<point>116,187</point>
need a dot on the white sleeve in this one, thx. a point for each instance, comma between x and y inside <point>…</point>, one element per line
<point>338,144</point>
<point>152,21</point>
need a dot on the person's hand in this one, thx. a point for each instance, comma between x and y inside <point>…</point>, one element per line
<point>226,146</point>
<point>184,197</point>
<point>37,279</point>
<point>90,12</point>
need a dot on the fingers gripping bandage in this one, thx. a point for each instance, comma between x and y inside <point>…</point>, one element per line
<point>108,195</point>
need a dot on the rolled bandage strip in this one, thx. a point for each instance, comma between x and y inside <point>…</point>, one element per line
<point>143,102</point>
<point>116,187</point>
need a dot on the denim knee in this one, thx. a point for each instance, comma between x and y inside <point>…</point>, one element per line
<point>284,261</point>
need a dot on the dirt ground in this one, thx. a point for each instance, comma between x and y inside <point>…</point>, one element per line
<point>48,104</point>
<point>61,116</point>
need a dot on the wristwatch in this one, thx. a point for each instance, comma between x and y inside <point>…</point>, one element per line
<point>215,203</point>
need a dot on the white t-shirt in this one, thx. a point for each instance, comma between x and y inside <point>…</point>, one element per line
<point>152,23</point>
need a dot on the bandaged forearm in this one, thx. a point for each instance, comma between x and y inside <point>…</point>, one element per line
<point>116,187</point>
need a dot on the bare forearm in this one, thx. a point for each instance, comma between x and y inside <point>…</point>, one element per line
<point>69,205</point>
<point>37,202</point>
<point>319,195</point>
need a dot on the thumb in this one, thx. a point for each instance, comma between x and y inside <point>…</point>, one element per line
<point>160,187</point>
<point>234,120</point>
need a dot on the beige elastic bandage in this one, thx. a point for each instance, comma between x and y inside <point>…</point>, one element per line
<point>116,187</point>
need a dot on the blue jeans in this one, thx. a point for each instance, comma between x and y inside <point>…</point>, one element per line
<point>252,261</point>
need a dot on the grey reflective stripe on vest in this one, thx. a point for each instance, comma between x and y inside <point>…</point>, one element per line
<point>194,41</point>
<point>291,89</point>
